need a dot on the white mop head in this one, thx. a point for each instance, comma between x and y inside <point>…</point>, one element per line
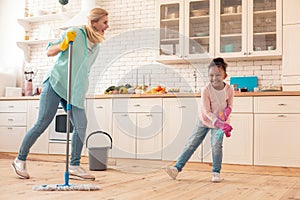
<point>55,187</point>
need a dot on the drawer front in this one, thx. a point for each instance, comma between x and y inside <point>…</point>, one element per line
<point>10,138</point>
<point>291,87</point>
<point>137,105</point>
<point>242,105</point>
<point>12,119</point>
<point>13,106</point>
<point>283,104</point>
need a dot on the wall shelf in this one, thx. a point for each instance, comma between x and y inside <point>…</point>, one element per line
<point>26,44</point>
<point>26,21</point>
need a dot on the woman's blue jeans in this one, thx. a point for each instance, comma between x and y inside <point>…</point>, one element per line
<point>197,137</point>
<point>49,102</point>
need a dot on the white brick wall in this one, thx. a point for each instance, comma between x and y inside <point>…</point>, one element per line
<point>124,51</point>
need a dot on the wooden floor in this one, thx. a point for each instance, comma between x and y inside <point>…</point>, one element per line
<point>133,179</point>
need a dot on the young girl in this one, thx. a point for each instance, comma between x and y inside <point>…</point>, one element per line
<point>216,98</point>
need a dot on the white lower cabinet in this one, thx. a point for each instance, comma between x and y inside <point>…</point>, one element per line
<point>137,128</point>
<point>276,131</point>
<point>42,144</point>
<point>180,118</point>
<point>11,138</point>
<point>124,135</point>
<point>12,125</point>
<point>99,114</point>
<point>237,149</point>
<point>265,129</point>
<point>277,140</point>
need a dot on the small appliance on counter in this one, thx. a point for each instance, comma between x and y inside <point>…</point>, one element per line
<point>244,83</point>
<point>13,91</point>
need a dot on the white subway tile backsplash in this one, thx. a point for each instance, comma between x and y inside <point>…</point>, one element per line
<point>132,46</point>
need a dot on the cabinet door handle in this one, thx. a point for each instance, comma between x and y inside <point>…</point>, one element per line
<point>245,53</point>
<point>99,106</point>
<point>11,106</point>
<point>10,120</point>
<point>281,115</point>
<point>10,128</point>
<point>249,53</point>
<point>182,107</point>
<point>36,107</point>
<point>124,115</point>
<point>137,105</point>
<point>281,104</point>
<point>149,115</point>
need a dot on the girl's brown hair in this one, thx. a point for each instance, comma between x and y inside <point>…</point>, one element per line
<point>94,16</point>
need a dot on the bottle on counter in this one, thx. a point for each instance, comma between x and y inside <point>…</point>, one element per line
<point>28,88</point>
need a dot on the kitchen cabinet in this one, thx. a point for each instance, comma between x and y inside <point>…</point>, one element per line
<point>291,42</point>
<point>137,128</point>
<point>99,112</point>
<point>47,36</point>
<point>290,64</point>
<point>291,14</point>
<point>12,124</point>
<point>180,118</point>
<point>193,30</point>
<point>237,149</point>
<point>248,28</point>
<point>42,143</point>
<point>185,30</point>
<point>276,135</point>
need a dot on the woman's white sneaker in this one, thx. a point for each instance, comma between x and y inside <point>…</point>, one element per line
<point>215,177</point>
<point>79,173</point>
<point>19,167</point>
<point>172,172</point>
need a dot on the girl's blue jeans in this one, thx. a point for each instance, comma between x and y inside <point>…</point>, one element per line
<point>197,137</point>
<point>49,102</point>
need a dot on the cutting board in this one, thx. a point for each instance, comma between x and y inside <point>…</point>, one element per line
<point>249,82</point>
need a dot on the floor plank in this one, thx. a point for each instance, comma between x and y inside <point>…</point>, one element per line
<point>143,179</point>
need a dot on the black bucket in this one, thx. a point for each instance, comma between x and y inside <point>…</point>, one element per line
<point>98,156</point>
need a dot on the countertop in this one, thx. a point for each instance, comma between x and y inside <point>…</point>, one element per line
<point>169,95</point>
<point>172,95</point>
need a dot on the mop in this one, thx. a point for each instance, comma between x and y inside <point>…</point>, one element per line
<point>67,186</point>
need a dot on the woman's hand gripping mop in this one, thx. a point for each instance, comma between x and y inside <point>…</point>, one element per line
<point>224,128</point>
<point>64,45</point>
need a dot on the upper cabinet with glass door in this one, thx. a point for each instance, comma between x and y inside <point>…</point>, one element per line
<point>170,19</point>
<point>266,29</point>
<point>185,29</point>
<point>199,29</point>
<point>248,28</point>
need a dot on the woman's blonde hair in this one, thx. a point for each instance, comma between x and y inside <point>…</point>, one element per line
<point>94,16</point>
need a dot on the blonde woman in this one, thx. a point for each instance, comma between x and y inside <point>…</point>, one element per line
<point>54,91</point>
